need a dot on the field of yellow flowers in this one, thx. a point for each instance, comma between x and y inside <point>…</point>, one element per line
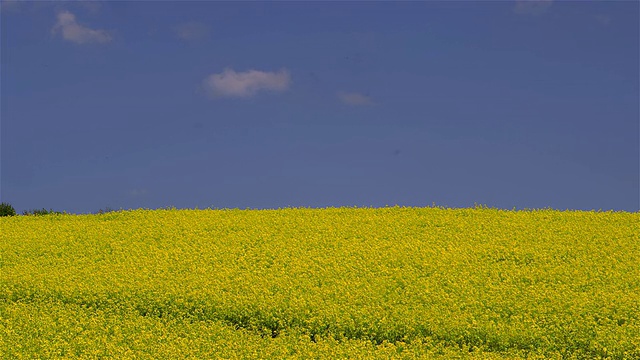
<point>354,283</point>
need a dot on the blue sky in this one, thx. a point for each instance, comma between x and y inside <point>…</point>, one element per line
<point>317,104</point>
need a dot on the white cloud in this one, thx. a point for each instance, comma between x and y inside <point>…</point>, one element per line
<point>191,31</point>
<point>532,7</point>
<point>245,84</point>
<point>354,98</point>
<point>74,32</point>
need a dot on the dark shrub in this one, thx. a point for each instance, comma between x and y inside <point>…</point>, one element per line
<point>105,210</point>
<point>43,211</point>
<point>7,210</point>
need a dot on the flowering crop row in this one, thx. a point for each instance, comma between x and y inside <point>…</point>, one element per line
<point>321,283</point>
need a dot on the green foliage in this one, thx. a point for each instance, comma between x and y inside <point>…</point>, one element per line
<point>39,212</point>
<point>105,210</point>
<point>7,210</point>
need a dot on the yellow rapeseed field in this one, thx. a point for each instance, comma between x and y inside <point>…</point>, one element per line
<point>334,283</point>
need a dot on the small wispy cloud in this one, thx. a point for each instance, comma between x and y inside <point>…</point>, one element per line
<point>603,19</point>
<point>191,31</point>
<point>532,7</point>
<point>76,33</point>
<point>138,192</point>
<point>9,5</point>
<point>91,6</point>
<point>354,98</point>
<point>245,84</point>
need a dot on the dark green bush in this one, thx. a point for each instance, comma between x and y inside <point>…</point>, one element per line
<point>105,210</point>
<point>7,210</point>
<point>42,211</point>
